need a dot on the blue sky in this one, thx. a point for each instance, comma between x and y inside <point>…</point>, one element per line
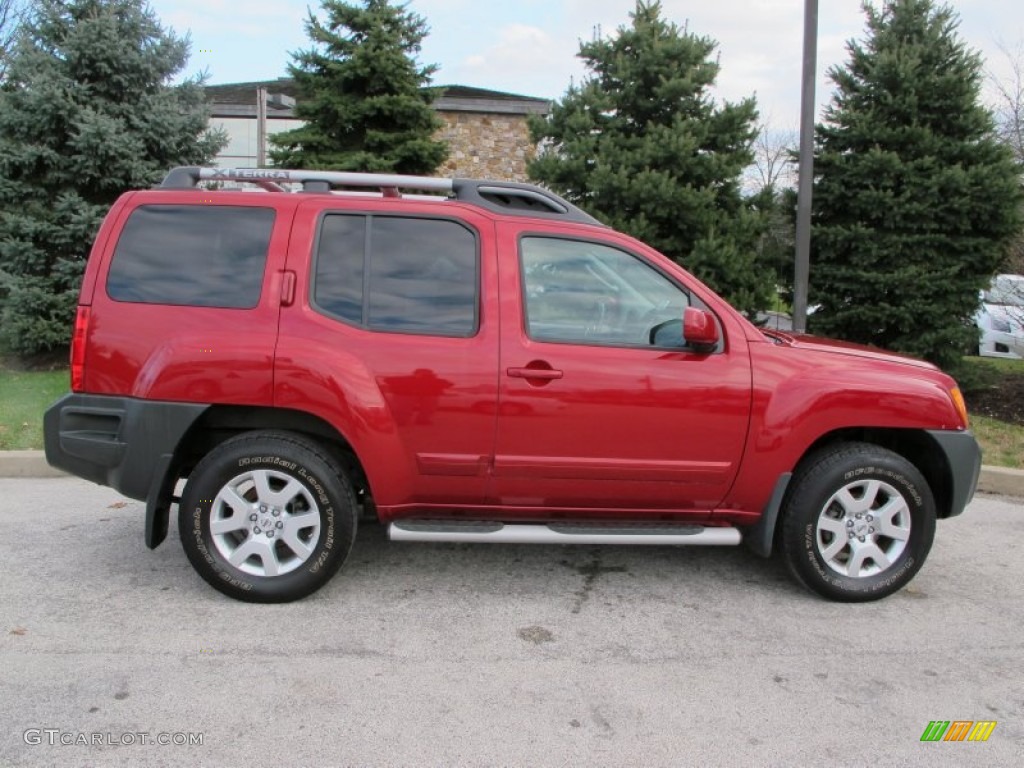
<point>529,46</point>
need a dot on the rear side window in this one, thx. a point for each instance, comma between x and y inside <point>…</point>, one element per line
<point>190,255</point>
<point>390,273</point>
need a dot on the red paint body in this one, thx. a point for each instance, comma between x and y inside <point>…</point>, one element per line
<point>498,425</point>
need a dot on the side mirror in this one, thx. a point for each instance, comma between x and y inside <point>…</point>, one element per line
<point>700,329</point>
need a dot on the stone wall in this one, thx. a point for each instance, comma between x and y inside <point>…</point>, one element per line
<point>486,146</point>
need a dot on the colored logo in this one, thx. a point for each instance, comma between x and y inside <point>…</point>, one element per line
<point>958,730</point>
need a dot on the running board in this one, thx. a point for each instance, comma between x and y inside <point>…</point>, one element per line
<point>562,533</point>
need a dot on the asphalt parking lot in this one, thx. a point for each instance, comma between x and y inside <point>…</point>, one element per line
<point>450,655</point>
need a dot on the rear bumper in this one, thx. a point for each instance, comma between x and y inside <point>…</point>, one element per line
<point>963,456</point>
<point>121,442</point>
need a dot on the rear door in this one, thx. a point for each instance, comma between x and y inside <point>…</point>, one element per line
<point>601,406</point>
<point>392,337</point>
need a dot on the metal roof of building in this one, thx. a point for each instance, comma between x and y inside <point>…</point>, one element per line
<point>238,99</point>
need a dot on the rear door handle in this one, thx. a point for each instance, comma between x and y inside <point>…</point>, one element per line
<point>547,374</point>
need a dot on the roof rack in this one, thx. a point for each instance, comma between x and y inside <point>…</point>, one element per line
<point>504,197</point>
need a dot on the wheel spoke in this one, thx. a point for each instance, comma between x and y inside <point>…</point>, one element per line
<point>849,504</point>
<point>832,525</point>
<point>271,565</point>
<point>856,563</point>
<point>230,496</point>
<point>295,523</point>
<point>838,531</point>
<point>875,553</point>
<point>291,491</point>
<point>261,479</point>
<point>301,549</point>
<point>236,522</point>
<point>897,532</point>
<point>888,516</point>
<point>833,549</point>
<point>871,488</point>
<point>263,550</point>
<point>862,554</point>
<point>244,552</point>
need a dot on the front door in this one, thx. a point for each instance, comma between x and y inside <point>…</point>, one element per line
<point>601,404</point>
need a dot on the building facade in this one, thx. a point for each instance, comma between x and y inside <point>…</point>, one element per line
<point>486,131</point>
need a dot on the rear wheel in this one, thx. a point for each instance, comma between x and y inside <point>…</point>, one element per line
<point>858,523</point>
<point>267,517</point>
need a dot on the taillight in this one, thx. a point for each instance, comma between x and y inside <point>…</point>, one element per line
<point>78,341</point>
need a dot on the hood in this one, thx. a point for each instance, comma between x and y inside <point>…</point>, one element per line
<point>816,344</point>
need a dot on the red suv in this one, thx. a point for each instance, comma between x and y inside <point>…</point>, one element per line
<point>478,362</point>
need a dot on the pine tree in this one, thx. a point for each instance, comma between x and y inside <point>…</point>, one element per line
<point>362,94</point>
<point>642,145</point>
<point>85,114</point>
<point>915,199</point>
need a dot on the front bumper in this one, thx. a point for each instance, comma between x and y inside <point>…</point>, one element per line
<point>963,457</point>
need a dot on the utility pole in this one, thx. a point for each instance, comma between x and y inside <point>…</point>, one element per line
<point>806,172</point>
<point>261,127</point>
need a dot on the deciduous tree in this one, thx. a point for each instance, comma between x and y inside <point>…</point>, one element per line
<point>12,12</point>
<point>1009,112</point>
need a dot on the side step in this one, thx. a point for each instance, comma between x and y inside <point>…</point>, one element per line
<point>562,533</point>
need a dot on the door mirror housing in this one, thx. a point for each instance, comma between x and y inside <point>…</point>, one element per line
<point>700,331</point>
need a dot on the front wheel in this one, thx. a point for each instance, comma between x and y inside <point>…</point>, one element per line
<point>267,517</point>
<point>858,523</point>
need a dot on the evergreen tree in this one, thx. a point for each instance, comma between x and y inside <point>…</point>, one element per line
<point>642,145</point>
<point>85,114</point>
<point>362,95</point>
<point>915,198</point>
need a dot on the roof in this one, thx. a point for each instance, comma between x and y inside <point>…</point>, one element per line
<point>239,99</point>
<point>245,93</point>
<point>471,92</point>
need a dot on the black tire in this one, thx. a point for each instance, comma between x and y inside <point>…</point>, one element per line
<point>847,558</point>
<point>297,517</point>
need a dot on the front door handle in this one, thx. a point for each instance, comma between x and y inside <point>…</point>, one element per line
<point>547,374</point>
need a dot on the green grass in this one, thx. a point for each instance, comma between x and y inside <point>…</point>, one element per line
<point>1002,444</point>
<point>1001,441</point>
<point>23,398</point>
<point>977,373</point>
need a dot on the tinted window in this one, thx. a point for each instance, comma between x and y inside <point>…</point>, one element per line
<point>339,268</point>
<point>422,274</point>
<point>205,256</point>
<point>583,292</point>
